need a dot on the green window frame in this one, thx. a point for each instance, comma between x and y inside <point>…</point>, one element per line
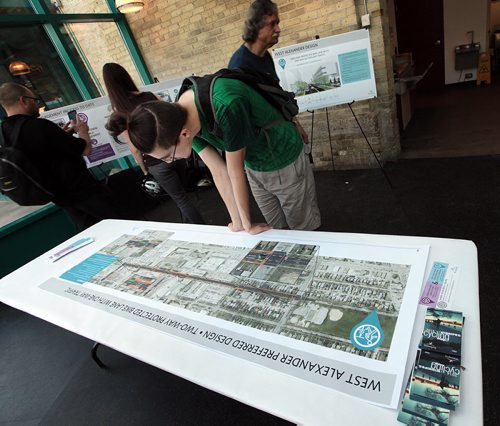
<point>51,22</point>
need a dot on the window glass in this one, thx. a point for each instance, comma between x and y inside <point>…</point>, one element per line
<point>15,6</point>
<point>44,72</point>
<point>77,6</point>
<point>99,43</point>
<point>44,69</point>
<point>10,211</point>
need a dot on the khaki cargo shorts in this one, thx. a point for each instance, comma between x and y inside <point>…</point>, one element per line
<point>287,197</point>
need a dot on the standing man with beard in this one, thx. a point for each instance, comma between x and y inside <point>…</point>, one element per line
<point>261,32</point>
<point>57,155</point>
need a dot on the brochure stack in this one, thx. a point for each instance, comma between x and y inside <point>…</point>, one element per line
<point>433,390</point>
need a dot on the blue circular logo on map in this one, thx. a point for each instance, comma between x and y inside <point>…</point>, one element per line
<point>282,63</point>
<point>368,334</point>
<point>366,337</point>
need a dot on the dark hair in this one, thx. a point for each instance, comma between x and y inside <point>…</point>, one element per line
<point>116,125</point>
<point>11,92</point>
<point>119,86</point>
<point>257,12</point>
<point>156,123</point>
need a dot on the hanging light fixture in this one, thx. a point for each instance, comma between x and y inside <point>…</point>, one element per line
<point>19,68</point>
<point>129,6</point>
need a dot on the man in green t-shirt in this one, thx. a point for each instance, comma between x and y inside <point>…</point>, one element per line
<point>273,160</point>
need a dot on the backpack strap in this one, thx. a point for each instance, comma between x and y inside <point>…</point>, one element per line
<point>203,98</point>
<point>263,84</point>
<point>266,86</point>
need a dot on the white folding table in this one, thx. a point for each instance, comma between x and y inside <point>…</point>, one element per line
<point>285,396</point>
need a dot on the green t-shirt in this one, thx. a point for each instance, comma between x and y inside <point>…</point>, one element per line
<point>241,113</point>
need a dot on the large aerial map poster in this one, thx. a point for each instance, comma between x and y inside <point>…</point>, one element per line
<point>334,315</point>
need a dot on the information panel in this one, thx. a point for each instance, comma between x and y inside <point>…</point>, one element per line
<point>329,71</point>
<point>96,113</point>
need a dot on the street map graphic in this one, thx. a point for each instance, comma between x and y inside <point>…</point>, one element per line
<point>278,287</point>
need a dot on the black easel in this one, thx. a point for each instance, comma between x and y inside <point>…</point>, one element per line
<point>370,146</point>
<point>329,136</point>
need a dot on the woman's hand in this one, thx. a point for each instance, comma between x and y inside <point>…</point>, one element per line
<point>255,228</point>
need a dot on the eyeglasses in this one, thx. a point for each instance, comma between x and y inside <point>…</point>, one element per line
<point>171,158</point>
<point>37,100</point>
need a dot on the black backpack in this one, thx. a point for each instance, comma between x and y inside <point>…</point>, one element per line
<point>19,178</point>
<point>268,87</point>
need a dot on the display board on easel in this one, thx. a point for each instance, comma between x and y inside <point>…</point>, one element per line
<point>329,71</point>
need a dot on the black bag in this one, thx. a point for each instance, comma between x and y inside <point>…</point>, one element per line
<point>268,87</point>
<point>19,178</point>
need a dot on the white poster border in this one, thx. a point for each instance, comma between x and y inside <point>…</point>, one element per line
<point>395,364</point>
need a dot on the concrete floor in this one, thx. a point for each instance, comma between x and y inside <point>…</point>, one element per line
<point>455,121</point>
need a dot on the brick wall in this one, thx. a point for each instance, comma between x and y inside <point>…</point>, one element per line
<point>100,42</point>
<point>179,37</point>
